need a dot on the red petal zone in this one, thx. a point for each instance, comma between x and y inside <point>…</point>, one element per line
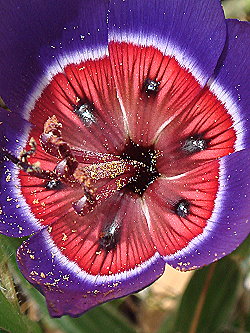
<point>146,112</point>
<point>80,238</point>
<point>47,205</point>
<point>88,83</point>
<point>171,232</point>
<point>207,118</point>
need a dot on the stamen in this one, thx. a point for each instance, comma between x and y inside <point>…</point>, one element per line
<point>31,169</point>
<point>93,198</point>
<point>53,143</point>
<point>110,169</point>
<point>182,208</point>
<point>26,154</point>
<point>89,157</point>
<point>66,168</point>
<point>117,172</point>
<point>99,175</point>
<point>51,139</point>
<point>84,206</point>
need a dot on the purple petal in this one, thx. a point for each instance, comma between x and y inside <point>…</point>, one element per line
<point>229,223</point>
<point>35,35</point>
<point>70,290</point>
<point>232,80</point>
<point>192,31</point>
<point>13,131</point>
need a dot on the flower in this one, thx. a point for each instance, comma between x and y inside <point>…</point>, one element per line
<point>126,146</point>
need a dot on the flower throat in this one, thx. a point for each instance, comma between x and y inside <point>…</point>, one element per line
<point>147,172</point>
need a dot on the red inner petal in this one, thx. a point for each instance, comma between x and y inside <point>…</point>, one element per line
<point>78,237</point>
<point>90,82</point>
<point>132,65</point>
<point>206,117</point>
<point>169,231</point>
<point>47,205</point>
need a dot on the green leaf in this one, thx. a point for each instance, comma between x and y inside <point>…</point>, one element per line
<point>101,319</point>
<point>208,299</point>
<point>237,9</point>
<point>10,317</point>
<point>6,281</point>
<point>13,321</point>
<point>168,322</point>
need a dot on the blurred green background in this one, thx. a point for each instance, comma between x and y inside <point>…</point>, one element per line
<point>239,9</point>
<point>215,299</point>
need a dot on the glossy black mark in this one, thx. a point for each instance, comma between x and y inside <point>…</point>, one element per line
<point>194,144</point>
<point>110,236</point>
<point>150,86</point>
<point>86,113</point>
<point>182,208</point>
<point>53,185</point>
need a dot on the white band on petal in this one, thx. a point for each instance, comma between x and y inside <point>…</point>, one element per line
<point>64,262</point>
<point>57,67</point>
<point>233,109</point>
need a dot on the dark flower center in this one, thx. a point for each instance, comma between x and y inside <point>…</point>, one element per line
<point>148,172</point>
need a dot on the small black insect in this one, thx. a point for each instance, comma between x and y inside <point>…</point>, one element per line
<point>86,113</point>
<point>194,144</point>
<point>151,86</point>
<point>182,208</point>
<point>109,238</point>
<point>53,185</point>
